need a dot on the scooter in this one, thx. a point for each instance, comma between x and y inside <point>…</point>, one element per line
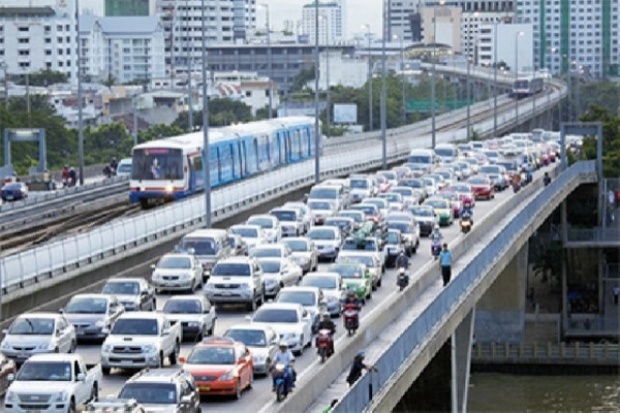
<point>516,187</point>
<point>466,224</point>
<point>351,318</point>
<point>283,377</point>
<point>436,248</point>
<point>403,278</point>
<point>324,344</point>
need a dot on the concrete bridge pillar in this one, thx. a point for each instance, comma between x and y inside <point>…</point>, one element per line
<point>461,347</point>
<point>500,313</point>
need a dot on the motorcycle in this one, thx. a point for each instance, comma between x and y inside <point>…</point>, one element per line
<point>403,278</point>
<point>466,224</point>
<point>515,187</point>
<point>282,376</point>
<point>324,344</point>
<point>436,248</point>
<point>351,318</point>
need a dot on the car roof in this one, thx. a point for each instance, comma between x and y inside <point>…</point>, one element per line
<point>235,260</point>
<point>333,229</point>
<point>166,373</point>
<point>252,226</point>
<point>39,315</point>
<point>185,297</point>
<point>54,357</point>
<point>322,274</point>
<point>248,326</point>
<point>281,306</point>
<point>127,279</point>
<point>301,288</point>
<point>142,315</point>
<point>217,341</point>
<point>94,295</point>
<point>207,233</point>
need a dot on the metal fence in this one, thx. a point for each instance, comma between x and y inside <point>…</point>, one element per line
<point>545,352</point>
<point>417,334</point>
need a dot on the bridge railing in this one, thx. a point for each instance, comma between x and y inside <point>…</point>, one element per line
<point>412,340</point>
<point>546,353</point>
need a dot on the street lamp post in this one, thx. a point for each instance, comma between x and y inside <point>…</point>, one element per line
<point>367,26</point>
<point>79,95</point>
<point>269,59</point>
<point>325,19</point>
<point>317,131</point>
<point>433,133</point>
<point>190,106</point>
<point>495,80</point>
<point>205,119</point>
<point>383,91</point>
<point>518,34</point>
<point>402,76</point>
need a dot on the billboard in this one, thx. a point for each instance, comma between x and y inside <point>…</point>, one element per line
<point>345,113</point>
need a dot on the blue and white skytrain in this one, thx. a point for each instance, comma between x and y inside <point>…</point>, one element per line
<point>172,168</point>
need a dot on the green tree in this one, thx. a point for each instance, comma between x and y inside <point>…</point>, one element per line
<point>611,140</point>
<point>44,77</point>
<point>159,132</point>
<point>106,141</point>
<point>222,112</point>
<point>305,75</point>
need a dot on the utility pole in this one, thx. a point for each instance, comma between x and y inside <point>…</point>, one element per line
<point>205,119</point>
<point>190,110</point>
<point>384,91</point>
<point>317,126</point>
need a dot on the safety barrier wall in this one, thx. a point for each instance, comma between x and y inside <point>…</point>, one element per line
<point>419,331</point>
<point>47,261</point>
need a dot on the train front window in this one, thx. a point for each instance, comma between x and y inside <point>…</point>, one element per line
<point>154,164</point>
<point>521,84</point>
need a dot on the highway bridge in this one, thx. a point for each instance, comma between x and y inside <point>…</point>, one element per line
<point>409,327</point>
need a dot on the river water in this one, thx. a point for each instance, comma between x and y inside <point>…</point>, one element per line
<point>491,392</point>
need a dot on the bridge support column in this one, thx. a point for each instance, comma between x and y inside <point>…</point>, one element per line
<point>461,341</point>
<point>500,313</point>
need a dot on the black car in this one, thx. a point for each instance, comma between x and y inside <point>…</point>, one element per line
<point>14,191</point>
<point>136,294</point>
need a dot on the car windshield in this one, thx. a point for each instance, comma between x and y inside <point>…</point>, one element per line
<point>270,266</point>
<point>231,269</point>
<point>251,338</point>
<point>319,282</point>
<point>44,371</point>
<point>449,152</point>
<point>319,205</point>
<point>32,326</point>
<point>135,327</point>
<point>359,184</point>
<point>174,262</point>
<point>366,209</point>
<point>391,197</point>
<point>265,252</point>
<point>356,216</point>
<point>444,174</point>
<point>340,223</point>
<point>401,226</point>
<point>304,298</point>
<point>286,216</point>
<point>323,193</point>
<point>150,393</point>
<point>421,212</point>
<point>459,188</point>
<point>412,183</point>
<point>392,238</point>
<point>403,191</point>
<point>429,181</point>
<point>436,203</point>
<point>321,234</point>
<point>201,246</point>
<point>478,181</point>
<point>297,245</point>
<point>379,203</point>
<point>121,288</point>
<point>212,355</point>
<point>346,270</point>
<point>261,222</point>
<point>452,196</point>
<point>363,244</point>
<point>389,175</point>
<point>275,315</point>
<point>124,168</point>
<point>362,259</point>
<point>245,232</point>
<point>86,306</point>
<point>491,154</point>
<point>185,306</point>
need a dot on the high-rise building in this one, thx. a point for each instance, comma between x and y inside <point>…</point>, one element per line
<point>573,35</point>
<point>129,7</point>
<point>228,21</point>
<point>38,35</point>
<point>399,16</point>
<point>331,22</point>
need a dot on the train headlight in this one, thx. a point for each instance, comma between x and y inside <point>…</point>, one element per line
<point>169,189</point>
<point>142,189</point>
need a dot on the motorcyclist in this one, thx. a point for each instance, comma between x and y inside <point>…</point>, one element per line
<point>352,298</point>
<point>285,357</point>
<point>436,234</point>
<point>113,164</point>
<point>547,179</point>
<point>327,324</point>
<point>65,175</point>
<point>467,212</point>
<point>402,261</point>
<point>358,366</point>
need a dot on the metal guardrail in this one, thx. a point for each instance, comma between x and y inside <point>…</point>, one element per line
<point>547,353</point>
<point>417,333</point>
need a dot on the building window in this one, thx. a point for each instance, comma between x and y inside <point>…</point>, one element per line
<point>59,40</point>
<point>59,28</point>
<point>23,41</point>
<point>24,29</point>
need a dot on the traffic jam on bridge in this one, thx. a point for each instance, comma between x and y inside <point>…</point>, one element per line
<point>200,327</point>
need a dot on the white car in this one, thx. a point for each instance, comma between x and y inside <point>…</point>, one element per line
<point>430,185</point>
<point>90,314</point>
<point>303,252</point>
<point>310,297</point>
<point>261,340</point>
<point>292,322</point>
<point>327,241</point>
<point>278,250</point>
<point>382,204</point>
<point>252,235</point>
<point>395,200</point>
<point>334,290</point>
<point>236,280</point>
<point>36,333</point>
<point>277,273</point>
<point>124,167</point>
<point>362,186</point>
<point>391,176</point>
<point>409,195</point>
<point>321,209</point>
<point>270,224</point>
<point>174,272</point>
<point>291,221</point>
<point>306,214</point>
<point>195,314</point>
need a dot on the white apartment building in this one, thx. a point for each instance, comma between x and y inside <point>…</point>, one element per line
<point>503,41</point>
<point>127,48</point>
<point>228,21</point>
<point>471,23</point>
<point>37,35</point>
<point>332,19</point>
<point>574,35</point>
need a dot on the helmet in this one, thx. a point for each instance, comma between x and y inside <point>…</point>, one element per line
<point>326,316</point>
<point>361,354</point>
<point>436,227</point>
<point>281,344</point>
<point>402,270</point>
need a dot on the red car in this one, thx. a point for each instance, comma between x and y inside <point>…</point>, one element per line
<point>482,187</point>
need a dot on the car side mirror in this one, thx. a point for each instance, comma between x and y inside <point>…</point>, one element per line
<point>165,332</point>
<point>144,292</point>
<point>105,331</point>
<point>182,359</point>
<point>81,377</point>
<point>10,377</point>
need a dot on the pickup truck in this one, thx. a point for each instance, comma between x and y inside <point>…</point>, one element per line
<point>52,382</point>
<point>141,339</point>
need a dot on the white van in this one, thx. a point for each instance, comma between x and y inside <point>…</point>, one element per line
<point>423,157</point>
<point>447,152</point>
<point>209,246</point>
<point>124,167</point>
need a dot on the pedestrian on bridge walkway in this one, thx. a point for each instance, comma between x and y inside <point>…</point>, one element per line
<point>445,259</point>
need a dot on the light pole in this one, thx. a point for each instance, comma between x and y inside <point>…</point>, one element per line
<point>518,34</point>
<point>79,95</point>
<point>205,120</point>
<point>367,26</point>
<point>190,112</point>
<point>495,80</point>
<point>402,75</point>
<point>269,59</point>
<point>325,19</point>
<point>468,84</point>
<point>383,92</point>
<point>317,131</point>
<point>433,133</point>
